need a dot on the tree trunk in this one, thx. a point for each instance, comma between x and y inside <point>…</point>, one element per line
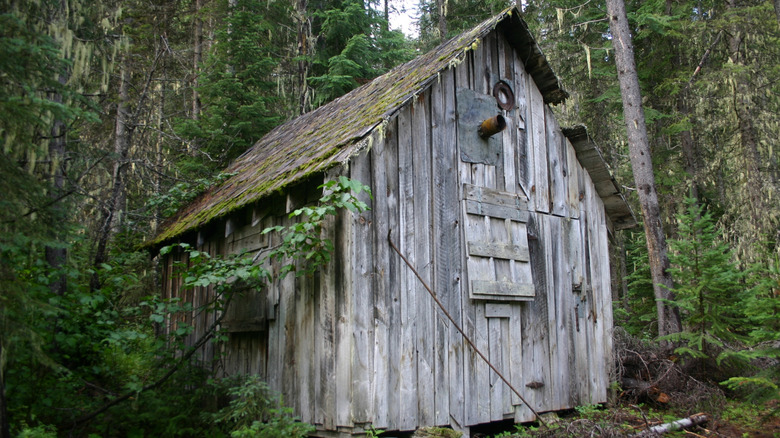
<point>305,48</point>
<point>5,426</point>
<point>642,165</point>
<point>747,132</point>
<point>441,6</point>
<point>112,213</point>
<point>197,59</point>
<point>386,24</point>
<point>55,256</point>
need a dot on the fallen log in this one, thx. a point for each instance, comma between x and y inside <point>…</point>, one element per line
<point>693,420</point>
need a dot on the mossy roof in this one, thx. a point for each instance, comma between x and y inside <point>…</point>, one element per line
<point>331,134</point>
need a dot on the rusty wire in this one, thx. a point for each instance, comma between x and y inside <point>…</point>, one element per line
<point>460,330</point>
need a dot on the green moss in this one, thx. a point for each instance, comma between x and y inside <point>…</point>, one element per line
<point>312,140</point>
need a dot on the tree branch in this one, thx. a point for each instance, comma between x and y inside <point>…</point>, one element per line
<point>197,346</point>
<point>703,60</point>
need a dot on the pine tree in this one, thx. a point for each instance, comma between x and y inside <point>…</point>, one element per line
<point>637,313</point>
<point>239,83</point>
<point>708,286</point>
<point>354,47</point>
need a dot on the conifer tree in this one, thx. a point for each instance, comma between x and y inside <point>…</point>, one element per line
<point>238,83</point>
<point>708,285</point>
<point>354,47</point>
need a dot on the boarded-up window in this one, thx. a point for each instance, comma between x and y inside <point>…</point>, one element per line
<point>497,244</point>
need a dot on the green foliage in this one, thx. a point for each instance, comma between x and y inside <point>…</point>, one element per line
<point>460,16</point>
<point>762,301</point>
<point>41,431</point>
<point>637,312</point>
<point>707,285</point>
<point>204,270</point>
<point>58,345</point>
<point>355,46</point>
<point>304,239</point>
<point>30,63</point>
<point>255,411</point>
<point>756,389</point>
<point>749,414</point>
<point>373,433</point>
<point>435,432</point>
<point>587,411</point>
<point>183,193</point>
<point>238,86</point>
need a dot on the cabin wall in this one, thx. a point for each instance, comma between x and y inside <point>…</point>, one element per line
<point>361,343</point>
<point>410,366</point>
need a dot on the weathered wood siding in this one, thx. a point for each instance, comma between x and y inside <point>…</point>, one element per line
<point>553,336</point>
<point>362,343</point>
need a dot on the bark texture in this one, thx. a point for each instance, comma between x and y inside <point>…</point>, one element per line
<point>743,107</point>
<point>197,59</point>
<point>777,10</point>
<point>441,6</point>
<point>5,427</point>
<point>110,221</point>
<point>304,53</point>
<point>641,163</point>
<point>56,255</point>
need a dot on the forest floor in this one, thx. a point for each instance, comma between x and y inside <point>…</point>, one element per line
<point>654,387</point>
<point>732,420</point>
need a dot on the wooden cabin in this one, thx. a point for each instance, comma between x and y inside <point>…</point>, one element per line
<point>510,231</point>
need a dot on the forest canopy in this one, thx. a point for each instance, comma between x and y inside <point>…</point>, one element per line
<point>117,113</point>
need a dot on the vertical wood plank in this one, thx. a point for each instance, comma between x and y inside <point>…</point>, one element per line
<point>536,346</point>
<point>556,165</point>
<point>538,142</point>
<point>423,205</point>
<point>476,402</point>
<point>574,169</point>
<point>344,319</point>
<point>394,277</point>
<point>516,362</point>
<point>304,346</point>
<point>510,152</point>
<point>458,356</point>
<point>325,348</point>
<point>506,364</point>
<point>601,294</point>
<point>362,264</point>
<point>481,371</point>
<point>580,339</point>
<point>551,389</point>
<point>564,370</point>
<point>607,322</point>
<point>491,76</point>
<point>285,358</point>
<point>592,327</point>
<point>495,354</point>
<point>408,349</point>
<point>482,60</point>
<point>381,285</point>
<point>522,144</point>
<point>447,252</point>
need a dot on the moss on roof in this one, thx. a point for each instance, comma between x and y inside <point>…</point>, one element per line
<point>331,134</point>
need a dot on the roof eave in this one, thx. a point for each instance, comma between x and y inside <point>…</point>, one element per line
<point>589,155</point>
